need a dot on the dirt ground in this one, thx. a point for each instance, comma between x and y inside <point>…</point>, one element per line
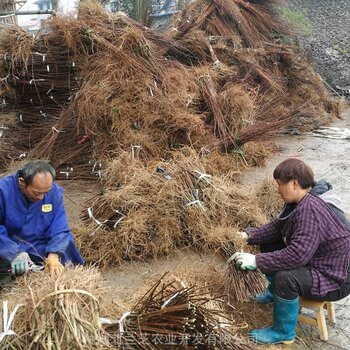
<point>329,158</point>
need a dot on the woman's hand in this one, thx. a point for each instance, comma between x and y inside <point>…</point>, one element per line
<point>244,261</point>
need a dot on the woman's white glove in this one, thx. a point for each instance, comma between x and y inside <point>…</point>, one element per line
<point>243,235</point>
<point>244,261</point>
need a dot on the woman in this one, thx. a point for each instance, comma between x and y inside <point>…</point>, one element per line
<point>304,252</point>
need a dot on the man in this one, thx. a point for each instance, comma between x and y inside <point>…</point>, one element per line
<point>33,223</point>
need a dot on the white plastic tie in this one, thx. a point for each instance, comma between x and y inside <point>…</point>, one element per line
<point>94,166</point>
<point>133,147</point>
<point>97,172</point>
<point>197,201</point>
<point>42,54</point>
<point>36,268</point>
<point>34,80</point>
<point>202,176</point>
<point>166,302</point>
<point>56,130</point>
<point>7,321</point>
<point>119,220</point>
<point>216,63</point>
<point>91,216</point>
<point>122,321</point>
<point>5,79</point>
<point>66,173</point>
<point>104,320</point>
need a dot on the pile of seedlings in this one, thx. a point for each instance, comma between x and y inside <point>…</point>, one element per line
<point>171,315</point>
<point>86,89</point>
<point>54,313</point>
<point>164,120</point>
<point>64,313</point>
<point>151,211</point>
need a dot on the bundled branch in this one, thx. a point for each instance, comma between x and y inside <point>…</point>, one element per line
<point>223,80</point>
<point>241,285</point>
<point>250,25</point>
<point>215,208</point>
<point>139,215</point>
<point>148,211</point>
<point>60,313</point>
<point>268,198</point>
<point>171,315</point>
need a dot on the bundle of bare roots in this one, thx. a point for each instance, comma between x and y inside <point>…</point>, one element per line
<point>7,155</point>
<point>268,198</point>
<point>123,86</point>
<point>147,211</point>
<point>213,206</point>
<point>212,225</point>
<point>137,217</point>
<point>18,43</point>
<point>43,77</point>
<point>224,279</point>
<point>55,313</point>
<point>173,315</point>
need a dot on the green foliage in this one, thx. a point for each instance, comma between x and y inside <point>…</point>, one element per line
<point>298,19</point>
<point>342,50</point>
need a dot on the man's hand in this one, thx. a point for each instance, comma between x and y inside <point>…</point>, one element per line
<point>53,265</point>
<point>244,261</point>
<point>20,264</point>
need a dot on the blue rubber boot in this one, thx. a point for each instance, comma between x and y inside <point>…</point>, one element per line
<point>267,296</point>
<point>285,314</point>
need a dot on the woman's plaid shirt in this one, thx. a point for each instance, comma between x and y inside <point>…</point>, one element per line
<point>314,237</point>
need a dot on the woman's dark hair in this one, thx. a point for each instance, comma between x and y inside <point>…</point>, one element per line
<point>294,169</point>
<point>33,168</point>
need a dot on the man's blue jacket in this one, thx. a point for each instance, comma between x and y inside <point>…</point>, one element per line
<point>37,228</point>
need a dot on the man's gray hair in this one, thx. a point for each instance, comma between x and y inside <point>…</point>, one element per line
<point>35,167</point>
